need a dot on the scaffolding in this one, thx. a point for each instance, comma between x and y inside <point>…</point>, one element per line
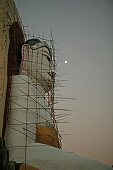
<point>47,130</point>
<point>32,97</point>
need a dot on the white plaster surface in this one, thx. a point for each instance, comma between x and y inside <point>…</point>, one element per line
<point>49,158</point>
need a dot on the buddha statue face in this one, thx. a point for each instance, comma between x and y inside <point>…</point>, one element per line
<point>36,62</point>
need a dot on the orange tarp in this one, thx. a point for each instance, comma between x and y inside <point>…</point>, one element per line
<point>47,135</point>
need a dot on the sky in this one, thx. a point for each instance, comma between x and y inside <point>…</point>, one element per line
<point>83,30</point>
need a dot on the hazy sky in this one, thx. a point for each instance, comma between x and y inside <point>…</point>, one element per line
<point>84,32</point>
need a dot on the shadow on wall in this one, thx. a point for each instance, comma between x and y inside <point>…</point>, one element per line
<point>16,37</point>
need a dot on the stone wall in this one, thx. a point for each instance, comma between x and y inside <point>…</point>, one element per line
<point>8,15</point>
